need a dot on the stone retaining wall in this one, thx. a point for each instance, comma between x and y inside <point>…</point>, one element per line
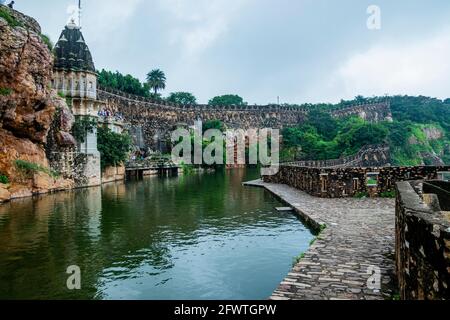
<point>114,173</point>
<point>349,182</point>
<point>422,245</point>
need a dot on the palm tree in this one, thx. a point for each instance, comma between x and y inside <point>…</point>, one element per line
<point>156,79</point>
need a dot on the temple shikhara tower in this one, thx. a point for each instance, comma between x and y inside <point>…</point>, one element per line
<point>75,78</point>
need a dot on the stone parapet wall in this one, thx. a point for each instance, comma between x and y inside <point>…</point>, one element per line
<point>373,112</point>
<point>369,156</point>
<point>422,245</point>
<point>441,190</point>
<point>156,121</point>
<point>350,182</point>
<point>157,118</point>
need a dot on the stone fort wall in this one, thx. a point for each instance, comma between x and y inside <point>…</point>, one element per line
<point>423,240</point>
<point>350,182</point>
<point>156,119</point>
<point>368,156</point>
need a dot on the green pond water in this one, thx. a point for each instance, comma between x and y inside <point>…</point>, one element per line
<point>190,237</point>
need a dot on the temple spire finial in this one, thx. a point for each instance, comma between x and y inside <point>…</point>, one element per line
<point>79,13</point>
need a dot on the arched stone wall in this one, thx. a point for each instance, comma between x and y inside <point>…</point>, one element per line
<point>154,117</point>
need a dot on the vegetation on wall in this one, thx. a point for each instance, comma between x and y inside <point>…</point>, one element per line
<point>113,147</point>
<point>213,124</point>
<point>29,168</point>
<point>4,179</point>
<point>5,91</point>
<point>82,126</point>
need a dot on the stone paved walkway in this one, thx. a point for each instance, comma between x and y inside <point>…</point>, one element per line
<point>359,235</point>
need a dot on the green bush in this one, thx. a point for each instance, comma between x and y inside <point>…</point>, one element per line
<point>4,179</point>
<point>187,168</point>
<point>114,148</point>
<point>361,195</point>
<point>5,91</point>
<point>82,126</point>
<point>388,194</point>
<point>29,168</point>
<point>47,41</point>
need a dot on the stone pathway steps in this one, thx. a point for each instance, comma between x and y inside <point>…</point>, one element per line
<point>359,237</point>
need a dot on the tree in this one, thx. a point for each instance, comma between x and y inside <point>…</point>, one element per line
<point>125,83</point>
<point>156,80</point>
<point>360,99</point>
<point>183,98</point>
<point>356,134</point>
<point>113,147</point>
<point>325,124</point>
<point>227,100</point>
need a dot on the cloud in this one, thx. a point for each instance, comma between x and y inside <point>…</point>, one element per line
<point>422,67</point>
<point>199,24</point>
<point>109,16</point>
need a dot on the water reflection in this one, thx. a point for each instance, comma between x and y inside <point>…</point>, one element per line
<point>192,237</point>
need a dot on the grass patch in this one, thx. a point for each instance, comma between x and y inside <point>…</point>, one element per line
<point>29,168</point>
<point>361,195</point>
<point>388,194</point>
<point>61,94</point>
<point>5,91</point>
<point>297,259</point>
<point>12,22</point>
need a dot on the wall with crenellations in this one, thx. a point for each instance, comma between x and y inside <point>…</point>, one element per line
<point>350,182</point>
<point>155,119</point>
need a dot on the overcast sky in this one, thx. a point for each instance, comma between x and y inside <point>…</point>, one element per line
<point>300,50</point>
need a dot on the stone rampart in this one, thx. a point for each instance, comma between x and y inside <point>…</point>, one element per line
<point>423,241</point>
<point>350,182</point>
<point>155,119</point>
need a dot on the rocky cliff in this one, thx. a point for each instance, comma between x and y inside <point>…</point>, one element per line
<point>27,109</point>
